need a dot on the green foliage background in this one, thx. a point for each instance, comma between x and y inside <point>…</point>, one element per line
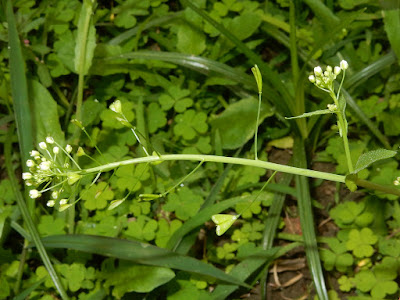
<point>181,70</point>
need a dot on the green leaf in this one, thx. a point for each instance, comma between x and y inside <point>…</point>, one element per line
<point>190,40</point>
<point>190,123</point>
<point>392,27</point>
<point>138,252</point>
<point>46,114</point>
<point>184,203</point>
<point>223,222</point>
<point>236,123</point>
<point>50,226</point>
<point>313,113</point>
<point>85,40</point>
<point>133,278</point>
<point>360,242</point>
<point>156,117</point>
<point>142,229</point>
<point>370,157</point>
<point>97,195</point>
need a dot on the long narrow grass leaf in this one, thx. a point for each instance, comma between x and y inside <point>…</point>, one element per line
<point>138,252</point>
<point>28,220</point>
<point>307,221</point>
<point>391,18</point>
<point>19,87</point>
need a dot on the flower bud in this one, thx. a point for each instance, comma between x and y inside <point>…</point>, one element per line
<point>73,177</point>
<point>26,176</point>
<point>51,203</point>
<point>44,166</point>
<point>63,201</point>
<point>337,70</point>
<point>344,65</point>
<point>54,195</point>
<point>329,69</point>
<point>50,140</point>
<point>34,153</point>
<point>68,148</point>
<point>318,71</point>
<point>56,150</point>
<point>311,78</point>
<point>43,145</point>
<point>34,194</point>
<point>80,152</point>
<point>30,163</point>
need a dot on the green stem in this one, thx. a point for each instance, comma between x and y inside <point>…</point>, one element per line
<point>243,162</point>
<point>256,131</point>
<point>219,159</point>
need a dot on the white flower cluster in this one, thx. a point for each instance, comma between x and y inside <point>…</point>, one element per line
<point>397,181</point>
<point>51,168</point>
<point>324,79</point>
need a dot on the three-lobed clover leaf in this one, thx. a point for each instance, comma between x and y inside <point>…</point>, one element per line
<point>176,98</point>
<point>351,213</point>
<point>184,203</point>
<point>190,123</point>
<point>346,283</point>
<point>142,229</point>
<point>379,281</point>
<point>248,208</point>
<point>248,232</point>
<point>140,208</point>
<point>49,225</point>
<point>336,256</point>
<point>165,231</point>
<point>130,177</point>
<point>227,251</point>
<point>202,145</point>
<point>361,241</point>
<point>97,196</point>
<point>156,117</point>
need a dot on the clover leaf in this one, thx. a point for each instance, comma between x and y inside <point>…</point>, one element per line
<point>346,283</point>
<point>390,247</point>
<point>184,203</point>
<point>50,225</point>
<point>165,231</point>
<point>97,195</point>
<point>142,229</point>
<point>248,232</point>
<point>336,256</point>
<point>226,251</point>
<point>249,207</point>
<point>361,241</point>
<point>156,117</point>
<point>140,208</point>
<point>349,213</point>
<point>202,145</point>
<point>175,98</point>
<point>130,177</point>
<point>190,123</point>
<point>379,281</point>
<point>109,117</point>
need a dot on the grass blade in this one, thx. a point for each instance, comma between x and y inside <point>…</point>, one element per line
<point>392,27</point>
<point>138,252</point>
<point>307,222</point>
<point>28,220</point>
<point>19,87</point>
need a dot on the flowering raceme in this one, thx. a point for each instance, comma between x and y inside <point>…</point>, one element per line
<point>52,168</point>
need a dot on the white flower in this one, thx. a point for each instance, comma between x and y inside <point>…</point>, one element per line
<point>34,194</point>
<point>344,65</point>
<point>318,71</point>
<point>34,153</point>
<point>43,145</point>
<point>337,70</point>
<point>311,78</point>
<point>63,201</point>
<point>54,195</point>
<point>68,148</point>
<point>50,140</point>
<point>30,163</point>
<point>44,166</point>
<point>26,176</point>
<point>116,106</point>
<point>56,150</point>
<point>51,203</point>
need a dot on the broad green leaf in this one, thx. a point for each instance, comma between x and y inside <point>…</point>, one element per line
<point>140,253</point>
<point>190,40</point>
<point>370,157</point>
<point>85,40</point>
<point>135,278</point>
<point>236,123</point>
<point>392,27</point>
<point>313,113</point>
<point>223,222</point>
<point>46,114</point>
